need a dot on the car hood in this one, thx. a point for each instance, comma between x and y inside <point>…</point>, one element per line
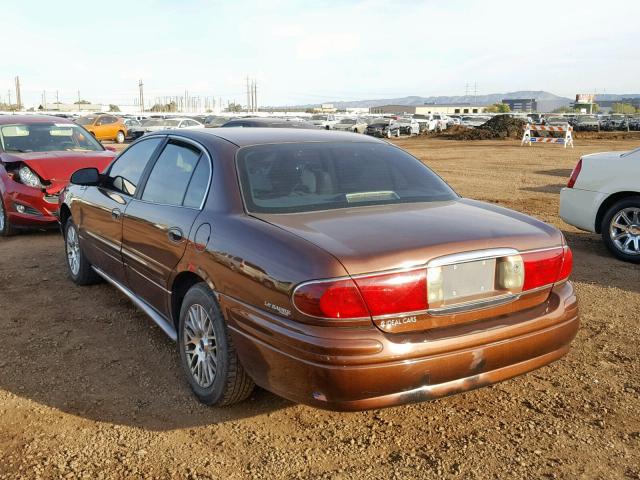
<point>375,238</point>
<point>57,167</point>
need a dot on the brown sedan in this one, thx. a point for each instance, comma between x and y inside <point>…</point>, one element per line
<point>332,269</point>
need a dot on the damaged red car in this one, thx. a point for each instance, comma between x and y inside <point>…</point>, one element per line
<point>38,154</point>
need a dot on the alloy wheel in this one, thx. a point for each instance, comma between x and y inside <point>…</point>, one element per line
<point>625,230</point>
<point>200,346</point>
<point>73,250</point>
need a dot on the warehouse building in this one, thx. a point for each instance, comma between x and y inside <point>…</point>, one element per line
<point>526,105</point>
<point>447,109</point>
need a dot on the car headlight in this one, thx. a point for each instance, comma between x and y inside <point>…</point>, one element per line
<point>29,178</point>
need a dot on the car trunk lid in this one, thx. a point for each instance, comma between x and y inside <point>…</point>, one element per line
<point>402,237</point>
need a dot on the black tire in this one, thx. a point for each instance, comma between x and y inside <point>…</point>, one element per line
<point>6,229</point>
<point>614,210</point>
<point>83,274</point>
<point>231,384</point>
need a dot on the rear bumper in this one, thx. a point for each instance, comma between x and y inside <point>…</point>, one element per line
<point>358,369</point>
<point>580,207</point>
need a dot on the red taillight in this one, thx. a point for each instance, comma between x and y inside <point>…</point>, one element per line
<point>395,293</point>
<point>574,174</point>
<point>366,296</point>
<point>567,264</point>
<point>332,299</point>
<point>546,267</point>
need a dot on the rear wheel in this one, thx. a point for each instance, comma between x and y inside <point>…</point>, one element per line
<point>621,229</point>
<point>120,137</point>
<point>6,229</point>
<point>79,267</point>
<point>207,353</point>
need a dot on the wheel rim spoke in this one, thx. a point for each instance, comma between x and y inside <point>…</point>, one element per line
<point>200,345</point>
<point>624,230</point>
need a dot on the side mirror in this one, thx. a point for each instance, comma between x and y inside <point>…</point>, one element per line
<point>87,177</point>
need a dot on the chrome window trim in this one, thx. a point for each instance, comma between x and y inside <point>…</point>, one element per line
<point>204,151</point>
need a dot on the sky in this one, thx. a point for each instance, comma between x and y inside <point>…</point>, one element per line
<point>302,52</point>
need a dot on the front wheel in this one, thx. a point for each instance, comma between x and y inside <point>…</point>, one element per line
<point>120,137</point>
<point>621,229</point>
<point>207,353</point>
<point>78,266</point>
<point>6,229</point>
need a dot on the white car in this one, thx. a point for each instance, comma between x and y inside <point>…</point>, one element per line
<point>603,196</point>
<point>324,121</point>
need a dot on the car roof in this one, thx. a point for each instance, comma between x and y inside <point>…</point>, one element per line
<point>257,136</point>
<point>27,119</point>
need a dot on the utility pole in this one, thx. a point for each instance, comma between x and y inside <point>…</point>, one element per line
<point>44,99</point>
<point>9,94</point>
<point>255,96</point>
<point>248,97</point>
<point>18,95</point>
<point>475,93</point>
<point>78,100</point>
<point>141,93</point>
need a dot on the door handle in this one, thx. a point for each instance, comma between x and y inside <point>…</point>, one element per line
<point>116,214</point>
<point>175,235</point>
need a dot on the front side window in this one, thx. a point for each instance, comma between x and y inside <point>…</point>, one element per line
<point>170,177</point>
<point>125,173</point>
<point>291,178</point>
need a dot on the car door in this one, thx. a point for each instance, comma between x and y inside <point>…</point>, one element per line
<point>157,222</point>
<point>102,207</point>
<point>99,127</point>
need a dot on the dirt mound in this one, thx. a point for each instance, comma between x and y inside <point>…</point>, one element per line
<point>607,135</point>
<point>501,126</point>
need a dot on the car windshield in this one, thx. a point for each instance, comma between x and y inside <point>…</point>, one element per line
<point>347,121</point>
<point>302,177</point>
<point>47,137</point>
<point>319,117</point>
<point>85,120</point>
<point>172,123</point>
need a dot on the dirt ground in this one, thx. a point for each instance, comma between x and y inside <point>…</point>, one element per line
<point>90,388</point>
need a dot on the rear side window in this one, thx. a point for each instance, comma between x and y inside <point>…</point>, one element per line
<point>125,173</point>
<point>197,188</point>
<point>290,178</point>
<point>171,174</point>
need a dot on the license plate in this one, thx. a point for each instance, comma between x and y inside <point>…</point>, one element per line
<point>470,279</point>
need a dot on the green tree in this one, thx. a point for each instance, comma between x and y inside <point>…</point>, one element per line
<point>82,102</point>
<point>625,108</point>
<point>168,107</point>
<point>498,108</point>
<point>113,108</point>
<point>234,107</point>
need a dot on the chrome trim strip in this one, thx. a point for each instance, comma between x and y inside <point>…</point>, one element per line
<point>157,285</point>
<point>483,303</point>
<point>103,240</point>
<point>159,319</point>
<point>471,256</point>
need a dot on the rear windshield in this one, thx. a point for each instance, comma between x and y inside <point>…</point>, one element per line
<point>302,177</point>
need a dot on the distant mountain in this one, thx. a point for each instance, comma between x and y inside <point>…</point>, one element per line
<point>546,101</point>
